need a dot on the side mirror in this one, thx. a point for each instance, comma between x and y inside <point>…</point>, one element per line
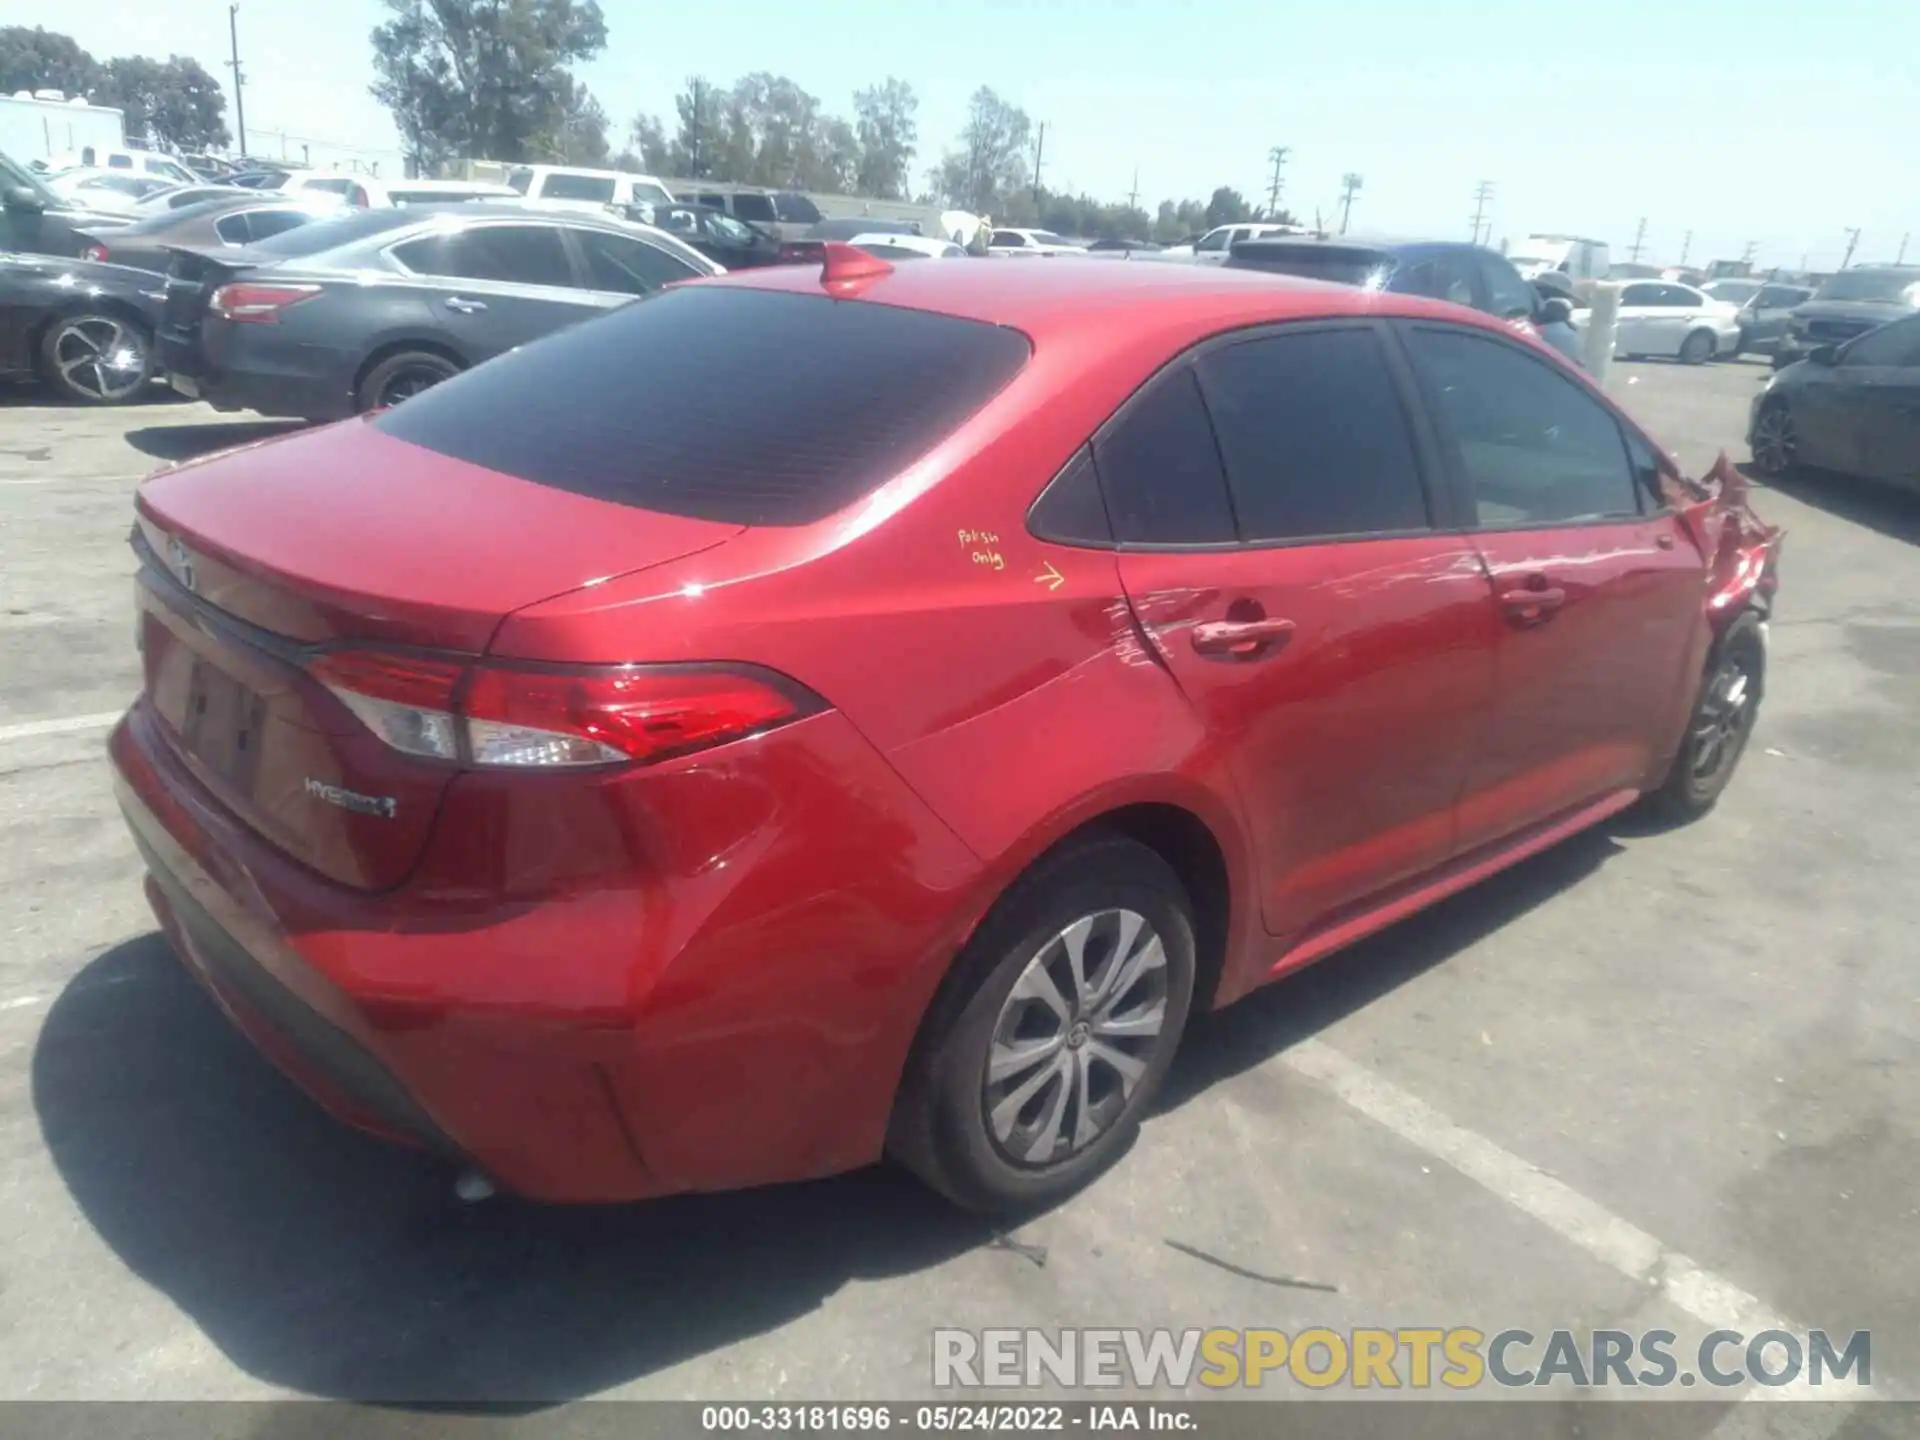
<point>1556,311</point>
<point>25,200</point>
<point>1824,355</point>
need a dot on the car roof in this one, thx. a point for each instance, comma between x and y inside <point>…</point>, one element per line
<point>1384,244</point>
<point>1157,305</point>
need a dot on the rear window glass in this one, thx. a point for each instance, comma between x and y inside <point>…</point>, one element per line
<point>333,230</point>
<point>1342,264</point>
<point>578,187</point>
<point>668,403</point>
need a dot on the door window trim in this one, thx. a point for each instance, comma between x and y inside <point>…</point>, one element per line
<point>1651,506</point>
<point>1428,457</point>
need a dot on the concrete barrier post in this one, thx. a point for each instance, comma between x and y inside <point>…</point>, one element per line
<point>1603,325</point>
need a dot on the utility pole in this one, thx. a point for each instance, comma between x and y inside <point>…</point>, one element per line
<point>1901,258</point>
<point>1349,187</point>
<point>1685,246</point>
<point>1039,150</point>
<point>696,162</point>
<point>1482,193</point>
<point>1133,195</point>
<point>1746,255</point>
<point>1853,239</point>
<point>1639,240</point>
<point>239,102</point>
<point>1278,155</point>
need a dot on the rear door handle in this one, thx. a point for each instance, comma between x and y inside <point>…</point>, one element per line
<point>1241,639</point>
<point>464,305</point>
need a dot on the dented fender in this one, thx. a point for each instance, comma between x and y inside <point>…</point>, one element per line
<point>1742,551</point>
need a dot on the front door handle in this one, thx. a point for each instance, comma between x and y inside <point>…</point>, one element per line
<point>1529,606</point>
<point>464,305</point>
<point>1241,639</point>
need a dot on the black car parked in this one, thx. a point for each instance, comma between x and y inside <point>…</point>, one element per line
<point>37,221</point>
<point>1854,408</point>
<point>1453,270</point>
<point>84,329</point>
<point>715,234</point>
<point>362,310</point>
<point>1849,304</point>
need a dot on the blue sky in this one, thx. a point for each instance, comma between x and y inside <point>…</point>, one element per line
<point>1699,115</point>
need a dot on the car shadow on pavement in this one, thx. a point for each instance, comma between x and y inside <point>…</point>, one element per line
<point>329,1263</point>
<point>1225,1043</point>
<point>1894,513</point>
<point>189,442</point>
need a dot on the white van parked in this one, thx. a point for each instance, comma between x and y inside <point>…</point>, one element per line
<point>566,187</point>
<point>139,162</point>
<point>1571,255</point>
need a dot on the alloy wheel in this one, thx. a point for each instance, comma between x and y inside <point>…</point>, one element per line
<point>1774,443</point>
<point>1720,728</point>
<point>1076,1034</point>
<point>99,357</point>
<point>407,383</point>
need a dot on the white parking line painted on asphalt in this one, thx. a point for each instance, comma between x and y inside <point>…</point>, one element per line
<point>20,1002</point>
<point>73,724</point>
<point>1708,1298</point>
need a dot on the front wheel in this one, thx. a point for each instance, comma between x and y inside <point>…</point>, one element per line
<point>1054,1032</point>
<point>1720,726</point>
<point>1776,449</point>
<point>1697,348</point>
<point>95,359</point>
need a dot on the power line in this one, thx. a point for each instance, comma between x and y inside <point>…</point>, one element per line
<point>239,99</point>
<point>1482,193</point>
<point>1639,240</point>
<point>1278,155</point>
<point>1349,186</point>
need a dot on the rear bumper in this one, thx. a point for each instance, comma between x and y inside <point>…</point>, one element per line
<point>626,1037</point>
<point>234,370</point>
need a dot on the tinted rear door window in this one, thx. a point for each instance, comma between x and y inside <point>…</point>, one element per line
<point>627,266</point>
<point>1534,446</point>
<point>578,187</point>
<point>669,403</point>
<point>753,207</point>
<point>1314,436</point>
<point>1160,469</point>
<point>519,254</point>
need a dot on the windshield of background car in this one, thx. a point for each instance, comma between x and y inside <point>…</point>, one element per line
<point>1890,287</point>
<point>1734,292</point>
<point>668,403</point>
<point>1342,264</point>
<point>334,230</point>
<point>19,177</point>
<point>650,194</point>
<point>731,229</point>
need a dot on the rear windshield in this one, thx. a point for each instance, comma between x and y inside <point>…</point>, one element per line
<point>688,402</point>
<point>1888,286</point>
<point>1343,264</point>
<point>334,230</point>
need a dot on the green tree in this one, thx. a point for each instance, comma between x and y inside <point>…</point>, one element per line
<point>700,139</point>
<point>172,102</point>
<point>888,131</point>
<point>650,152</point>
<point>485,79</point>
<point>40,59</point>
<point>1227,207</point>
<point>989,166</point>
<point>582,135</point>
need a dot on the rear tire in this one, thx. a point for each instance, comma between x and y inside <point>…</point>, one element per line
<point>1776,449</point>
<point>93,358</point>
<point>400,377</point>
<point>1720,726</point>
<point>1697,348</point>
<point>1054,1031</point>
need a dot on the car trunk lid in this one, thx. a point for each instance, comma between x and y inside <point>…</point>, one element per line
<point>260,563</point>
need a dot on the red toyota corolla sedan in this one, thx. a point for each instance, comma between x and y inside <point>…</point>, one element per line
<point>828,713</point>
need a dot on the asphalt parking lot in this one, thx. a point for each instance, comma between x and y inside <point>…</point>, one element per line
<point>1646,1079</point>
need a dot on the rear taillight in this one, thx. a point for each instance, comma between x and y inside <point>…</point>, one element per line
<point>251,304</point>
<point>94,252</point>
<point>547,717</point>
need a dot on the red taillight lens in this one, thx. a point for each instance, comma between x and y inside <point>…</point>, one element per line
<point>551,717</point>
<point>94,252</point>
<point>248,304</point>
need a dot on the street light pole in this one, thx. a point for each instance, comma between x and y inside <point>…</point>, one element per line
<point>239,99</point>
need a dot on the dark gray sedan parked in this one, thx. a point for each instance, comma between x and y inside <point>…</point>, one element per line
<point>237,218</point>
<point>363,310</point>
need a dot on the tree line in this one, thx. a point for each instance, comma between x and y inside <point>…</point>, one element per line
<point>491,79</point>
<point>173,103</point>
